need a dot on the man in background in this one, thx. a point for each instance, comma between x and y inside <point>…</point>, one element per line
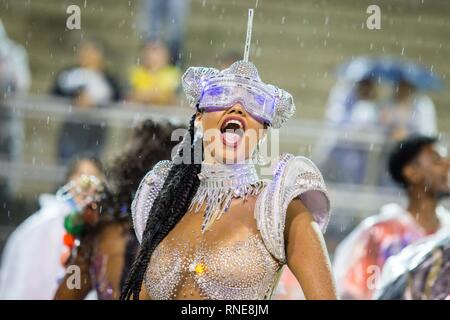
<point>418,166</point>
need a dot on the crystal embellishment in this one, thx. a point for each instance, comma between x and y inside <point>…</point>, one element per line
<point>220,184</point>
<point>240,73</point>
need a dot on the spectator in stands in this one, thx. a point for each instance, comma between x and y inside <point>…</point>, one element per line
<point>351,107</point>
<point>409,112</point>
<point>89,86</point>
<point>14,70</point>
<point>417,165</point>
<point>164,20</point>
<point>14,79</point>
<point>154,80</point>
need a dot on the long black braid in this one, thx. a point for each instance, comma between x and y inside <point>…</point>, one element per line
<point>168,208</point>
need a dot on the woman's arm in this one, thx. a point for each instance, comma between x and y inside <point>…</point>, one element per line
<point>76,284</point>
<point>306,253</point>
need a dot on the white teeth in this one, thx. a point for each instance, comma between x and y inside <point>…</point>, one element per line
<point>234,122</point>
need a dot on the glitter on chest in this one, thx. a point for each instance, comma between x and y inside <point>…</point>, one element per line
<point>240,270</point>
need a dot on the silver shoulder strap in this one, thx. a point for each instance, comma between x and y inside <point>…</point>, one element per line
<point>146,194</point>
<point>293,177</point>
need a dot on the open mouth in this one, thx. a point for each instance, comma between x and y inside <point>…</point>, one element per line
<point>232,131</point>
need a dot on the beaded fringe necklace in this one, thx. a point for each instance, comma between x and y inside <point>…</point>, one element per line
<point>220,184</point>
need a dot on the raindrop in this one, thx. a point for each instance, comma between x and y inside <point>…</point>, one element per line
<point>283,19</point>
<point>258,52</point>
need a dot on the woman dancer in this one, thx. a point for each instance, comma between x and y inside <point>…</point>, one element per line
<point>212,229</point>
<point>108,245</point>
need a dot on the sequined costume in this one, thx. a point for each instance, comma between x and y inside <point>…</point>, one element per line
<point>230,242</point>
<point>421,271</point>
<point>360,258</point>
<point>244,266</point>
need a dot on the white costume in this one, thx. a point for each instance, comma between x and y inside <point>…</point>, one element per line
<point>31,264</point>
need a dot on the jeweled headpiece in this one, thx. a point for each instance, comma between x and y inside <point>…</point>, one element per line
<point>208,89</point>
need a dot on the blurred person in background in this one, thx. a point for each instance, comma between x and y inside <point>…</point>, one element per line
<point>31,264</point>
<point>109,246</point>
<point>353,104</point>
<point>410,112</point>
<point>154,80</point>
<point>15,79</point>
<point>164,20</point>
<point>418,166</point>
<point>351,108</point>
<point>89,86</point>
<point>15,75</point>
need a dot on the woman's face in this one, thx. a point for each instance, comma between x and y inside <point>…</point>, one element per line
<point>231,135</point>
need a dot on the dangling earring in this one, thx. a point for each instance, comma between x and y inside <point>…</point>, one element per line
<point>257,156</point>
<point>198,133</point>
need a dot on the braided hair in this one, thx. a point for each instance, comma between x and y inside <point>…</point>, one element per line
<point>168,208</point>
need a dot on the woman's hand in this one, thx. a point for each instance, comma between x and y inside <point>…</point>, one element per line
<point>307,255</point>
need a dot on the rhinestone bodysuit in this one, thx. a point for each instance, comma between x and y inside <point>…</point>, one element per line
<point>238,271</point>
<point>242,264</point>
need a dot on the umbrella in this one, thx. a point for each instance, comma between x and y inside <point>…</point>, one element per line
<point>390,69</point>
<point>364,67</point>
<point>418,76</point>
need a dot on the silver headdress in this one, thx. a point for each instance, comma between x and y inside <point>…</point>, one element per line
<point>265,102</point>
<point>209,89</point>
